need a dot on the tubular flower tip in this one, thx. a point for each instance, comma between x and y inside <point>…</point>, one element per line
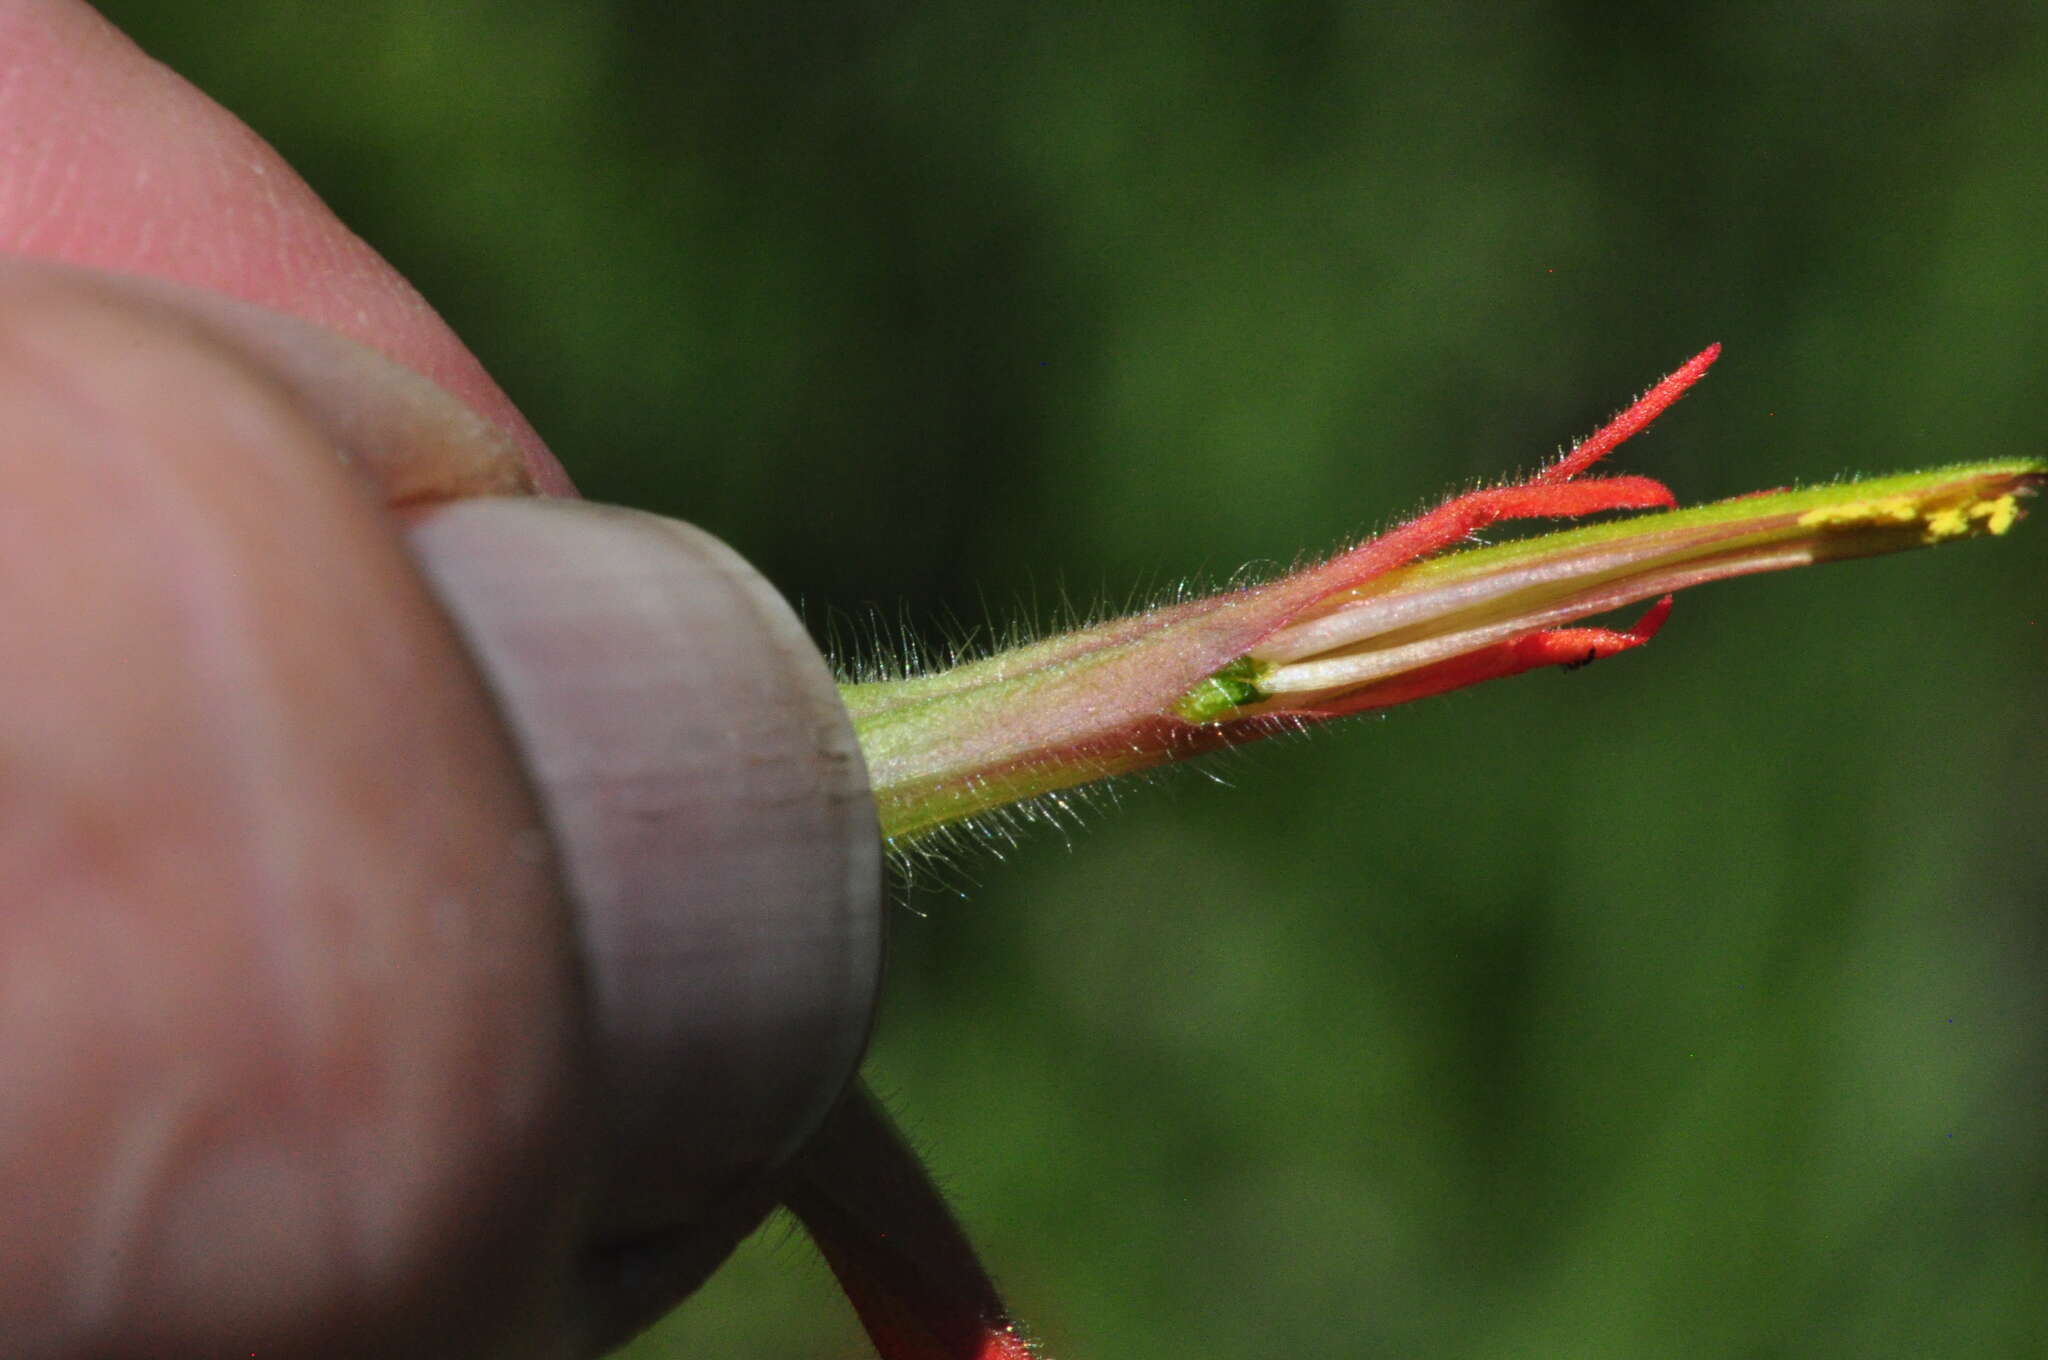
<point>1405,615</point>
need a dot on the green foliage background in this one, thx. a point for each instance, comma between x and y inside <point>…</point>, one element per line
<point>1687,1006</point>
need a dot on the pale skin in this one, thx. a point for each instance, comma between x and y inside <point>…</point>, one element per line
<point>302,1051</point>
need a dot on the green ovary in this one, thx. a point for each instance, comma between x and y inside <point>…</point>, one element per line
<point>1222,693</point>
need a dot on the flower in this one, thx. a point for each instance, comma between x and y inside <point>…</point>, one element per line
<point>1406,615</point>
<point>1396,618</point>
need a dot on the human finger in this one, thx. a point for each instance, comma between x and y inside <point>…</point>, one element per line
<point>253,666</point>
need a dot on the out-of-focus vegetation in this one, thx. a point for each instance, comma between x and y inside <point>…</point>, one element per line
<point>1688,1006</point>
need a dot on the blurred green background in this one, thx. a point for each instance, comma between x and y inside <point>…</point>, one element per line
<point>1687,1006</point>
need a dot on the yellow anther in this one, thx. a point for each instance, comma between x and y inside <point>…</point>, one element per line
<point>1947,524</point>
<point>1998,515</point>
<point>1888,510</point>
<point>1993,516</point>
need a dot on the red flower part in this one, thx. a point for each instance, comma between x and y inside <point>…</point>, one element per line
<point>896,1249</point>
